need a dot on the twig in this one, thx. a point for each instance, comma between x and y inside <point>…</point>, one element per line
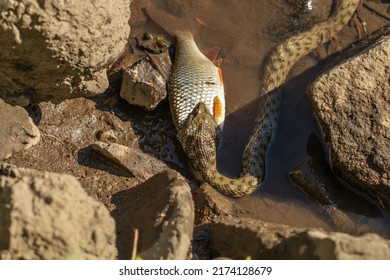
<point>380,201</point>
<point>135,245</point>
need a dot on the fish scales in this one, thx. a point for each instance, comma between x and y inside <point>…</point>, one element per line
<point>194,79</point>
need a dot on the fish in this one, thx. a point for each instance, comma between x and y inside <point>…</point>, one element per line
<point>194,79</point>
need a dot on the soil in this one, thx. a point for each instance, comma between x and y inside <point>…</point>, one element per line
<point>245,31</point>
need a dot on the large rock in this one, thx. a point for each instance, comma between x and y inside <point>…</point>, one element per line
<point>239,238</point>
<point>316,244</point>
<point>17,130</point>
<point>55,49</point>
<point>49,216</point>
<point>162,211</point>
<point>351,102</point>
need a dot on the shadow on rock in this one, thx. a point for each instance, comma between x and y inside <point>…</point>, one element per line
<point>162,211</point>
<point>35,113</point>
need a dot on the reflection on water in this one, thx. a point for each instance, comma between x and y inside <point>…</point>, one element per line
<point>247,31</point>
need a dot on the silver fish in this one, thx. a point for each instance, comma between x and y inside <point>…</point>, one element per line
<point>194,79</point>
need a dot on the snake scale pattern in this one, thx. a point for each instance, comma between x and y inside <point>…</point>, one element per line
<point>199,135</point>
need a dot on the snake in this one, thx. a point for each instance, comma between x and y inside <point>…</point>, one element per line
<point>199,130</point>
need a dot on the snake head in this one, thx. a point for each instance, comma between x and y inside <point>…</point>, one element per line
<point>200,111</point>
<point>202,116</point>
<point>200,128</point>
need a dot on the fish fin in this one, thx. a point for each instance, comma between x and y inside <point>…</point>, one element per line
<point>212,53</point>
<point>220,75</point>
<point>217,109</point>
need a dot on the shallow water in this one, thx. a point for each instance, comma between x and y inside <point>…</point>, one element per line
<point>247,31</point>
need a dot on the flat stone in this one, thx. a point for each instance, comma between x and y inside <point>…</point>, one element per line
<point>238,238</point>
<point>141,165</point>
<point>50,216</point>
<point>351,102</point>
<point>162,211</point>
<point>17,130</point>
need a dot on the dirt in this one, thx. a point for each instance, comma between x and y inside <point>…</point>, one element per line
<point>246,32</point>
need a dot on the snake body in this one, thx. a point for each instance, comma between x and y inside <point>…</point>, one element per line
<point>199,134</point>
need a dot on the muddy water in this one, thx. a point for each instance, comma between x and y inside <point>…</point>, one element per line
<point>247,31</point>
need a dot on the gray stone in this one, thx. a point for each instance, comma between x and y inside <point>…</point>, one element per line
<point>51,217</point>
<point>143,85</point>
<point>56,49</point>
<point>351,102</point>
<point>162,210</point>
<point>141,165</point>
<point>17,130</point>
<point>238,238</point>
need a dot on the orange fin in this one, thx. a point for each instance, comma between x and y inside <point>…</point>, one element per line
<point>217,109</point>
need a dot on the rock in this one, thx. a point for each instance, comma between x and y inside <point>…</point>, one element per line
<point>51,217</point>
<point>345,210</point>
<point>351,102</point>
<point>239,238</point>
<point>315,179</point>
<point>143,85</point>
<point>355,224</point>
<point>17,130</point>
<point>316,244</point>
<point>132,159</point>
<point>56,50</point>
<point>162,210</point>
